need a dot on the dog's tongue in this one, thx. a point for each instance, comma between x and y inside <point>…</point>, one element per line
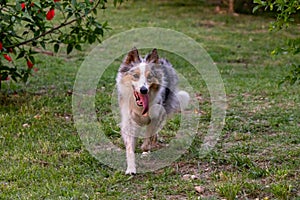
<point>145,101</point>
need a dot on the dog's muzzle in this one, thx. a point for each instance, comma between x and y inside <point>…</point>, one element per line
<point>142,99</point>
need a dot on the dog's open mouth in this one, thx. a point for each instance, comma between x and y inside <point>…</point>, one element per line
<point>142,100</point>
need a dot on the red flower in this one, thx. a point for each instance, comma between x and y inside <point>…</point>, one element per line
<point>1,46</point>
<point>23,5</point>
<point>35,69</point>
<point>7,57</point>
<point>32,4</point>
<point>29,64</point>
<point>50,14</point>
<point>56,0</point>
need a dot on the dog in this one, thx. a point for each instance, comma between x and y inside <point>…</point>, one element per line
<point>147,94</point>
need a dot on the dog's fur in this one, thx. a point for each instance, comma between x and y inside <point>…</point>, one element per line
<point>147,93</point>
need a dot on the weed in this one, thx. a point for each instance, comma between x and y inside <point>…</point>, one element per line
<point>258,172</point>
<point>281,190</point>
<point>242,161</point>
<point>229,190</point>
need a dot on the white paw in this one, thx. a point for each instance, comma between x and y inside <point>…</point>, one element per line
<point>145,154</point>
<point>130,171</point>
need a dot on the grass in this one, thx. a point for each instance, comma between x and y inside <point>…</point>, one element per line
<point>42,156</point>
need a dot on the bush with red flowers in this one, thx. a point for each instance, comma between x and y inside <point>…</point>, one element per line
<point>30,25</point>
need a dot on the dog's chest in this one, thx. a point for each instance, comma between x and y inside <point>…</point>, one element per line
<point>139,119</point>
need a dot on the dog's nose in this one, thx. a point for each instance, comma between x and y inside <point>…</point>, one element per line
<point>144,90</point>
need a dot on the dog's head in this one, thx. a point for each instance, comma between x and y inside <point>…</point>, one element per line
<point>144,75</point>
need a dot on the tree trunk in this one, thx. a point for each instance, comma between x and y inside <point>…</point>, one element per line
<point>231,6</point>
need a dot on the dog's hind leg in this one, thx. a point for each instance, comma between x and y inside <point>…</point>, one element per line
<point>158,116</point>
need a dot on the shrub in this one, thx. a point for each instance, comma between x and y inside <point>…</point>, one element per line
<point>28,25</point>
<point>286,13</point>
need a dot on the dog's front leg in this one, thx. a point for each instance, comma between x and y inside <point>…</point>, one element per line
<point>129,140</point>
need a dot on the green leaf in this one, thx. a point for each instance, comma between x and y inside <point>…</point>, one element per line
<point>69,48</point>
<point>3,76</point>
<point>256,8</point>
<point>37,33</point>
<point>99,40</point>
<point>25,77</point>
<point>98,31</point>
<point>21,54</point>
<point>2,68</point>
<point>25,32</point>
<point>56,47</point>
<point>95,11</point>
<point>70,14</point>
<point>91,39</point>
<point>34,43</point>
<point>78,47</point>
<point>31,58</point>
<point>74,3</point>
<point>37,4</point>
<point>42,43</point>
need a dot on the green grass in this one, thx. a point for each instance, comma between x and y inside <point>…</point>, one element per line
<point>42,156</point>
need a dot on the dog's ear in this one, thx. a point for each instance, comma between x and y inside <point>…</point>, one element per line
<point>152,57</point>
<point>131,57</point>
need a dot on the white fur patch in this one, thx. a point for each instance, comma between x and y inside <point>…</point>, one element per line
<point>142,80</point>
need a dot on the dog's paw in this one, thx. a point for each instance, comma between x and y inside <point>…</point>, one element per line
<point>146,146</point>
<point>130,171</point>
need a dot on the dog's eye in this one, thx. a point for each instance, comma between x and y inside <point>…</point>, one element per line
<point>149,77</point>
<point>136,76</point>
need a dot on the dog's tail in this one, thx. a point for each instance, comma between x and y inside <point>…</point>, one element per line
<point>183,98</point>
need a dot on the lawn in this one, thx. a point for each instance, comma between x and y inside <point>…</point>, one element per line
<point>257,155</point>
